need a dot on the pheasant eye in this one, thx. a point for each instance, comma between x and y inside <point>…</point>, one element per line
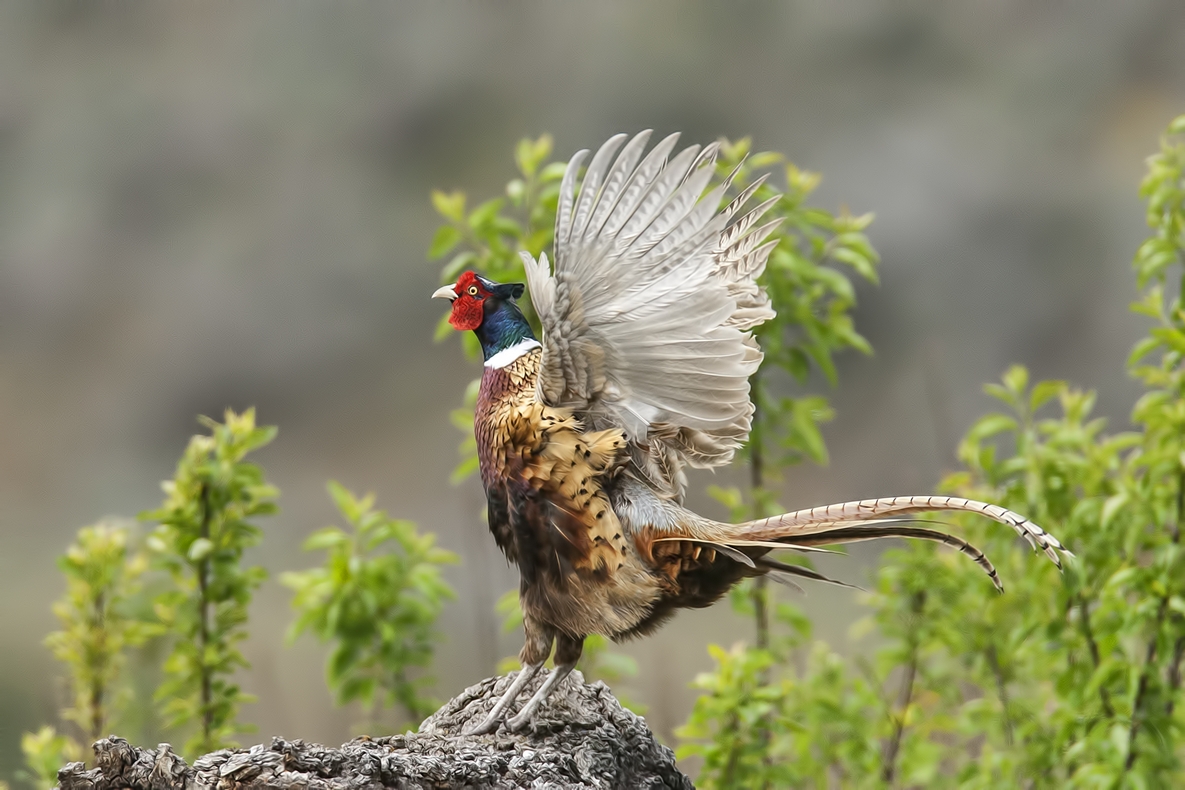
<point>473,290</point>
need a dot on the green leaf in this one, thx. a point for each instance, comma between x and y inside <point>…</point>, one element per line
<point>862,263</point>
<point>1141,349</point>
<point>1044,392</point>
<point>450,205</point>
<point>459,263</point>
<point>529,154</point>
<point>484,214</point>
<point>200,549</point>
<point>1016,379</point>
<point>991,424</point>
<point>325,538</point>
<point>446,237</point>
<point>553,171</point>
<point>464,469</point>
<point>1170,337</point>
<point>346,503</point>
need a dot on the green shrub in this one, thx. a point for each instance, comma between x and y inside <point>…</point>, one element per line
<point>45,752</point>
<point>376,598</point>
<point>102,575</point>
<point>204,528</point>
<point>1063,681</point>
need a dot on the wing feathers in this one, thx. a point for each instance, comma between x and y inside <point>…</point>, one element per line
<point>615,183</point>
<point>658,194</point>
<point>591,185</point>
<point>647,312</point>
<point>638,183</point>
<point>563,216</point>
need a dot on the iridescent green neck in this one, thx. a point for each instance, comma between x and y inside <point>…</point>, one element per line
<point>503,326</point>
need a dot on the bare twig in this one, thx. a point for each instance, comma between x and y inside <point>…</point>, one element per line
<point>905,697</point>
<point>1175,674</point>
<point>1142,686</point>
<point>759,592</point>
<point>203,571</point>
<point>1088,633</point>
<point>1138,713</point>
<point>1001,691</point>
<point>97,691</point>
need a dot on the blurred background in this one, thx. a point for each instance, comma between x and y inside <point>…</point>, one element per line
<point>212,205</point>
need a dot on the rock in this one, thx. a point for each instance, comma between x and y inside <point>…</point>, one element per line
<point>582,738</point>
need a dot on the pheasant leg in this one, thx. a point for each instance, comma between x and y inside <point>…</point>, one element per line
<point>523,717</point>
<point>567,653</point>
<point>499,710</point>
<point>536,649</point>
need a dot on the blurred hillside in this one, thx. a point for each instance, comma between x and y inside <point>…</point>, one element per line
<point>221,205</point>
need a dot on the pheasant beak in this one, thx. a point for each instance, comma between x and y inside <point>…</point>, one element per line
<point>445,292</point>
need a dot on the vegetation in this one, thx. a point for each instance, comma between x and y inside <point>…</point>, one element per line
<point>814,299</point>
<point>102,576</point>
<point>45,752</point>
<point>1069,680</point>
<point>199,543</point>
<point>377,598</point>
<point>97,629</point>
<point>1064,681</point>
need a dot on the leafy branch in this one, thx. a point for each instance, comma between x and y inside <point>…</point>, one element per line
<point>376,598</point>
<point>203,530</point>
<point>1063,681</point>
<point>102,575</point>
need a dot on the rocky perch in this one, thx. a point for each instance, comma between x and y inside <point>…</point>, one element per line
<point>582,738</point>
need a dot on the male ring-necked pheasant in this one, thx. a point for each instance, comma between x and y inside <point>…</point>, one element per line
<point>642,371</point>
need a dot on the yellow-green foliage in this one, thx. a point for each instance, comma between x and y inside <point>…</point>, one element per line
<point>45,752</point>
<point>102,574</point>
<point>1069,680</point>
<point>376,598</point>
<point>204,528</point>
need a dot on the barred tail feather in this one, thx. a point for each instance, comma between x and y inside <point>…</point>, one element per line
<point>828,523</point>
<point>858,533</point>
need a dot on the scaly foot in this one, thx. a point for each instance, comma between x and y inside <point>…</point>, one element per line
<point>499,710</point>
<point>523,718</point>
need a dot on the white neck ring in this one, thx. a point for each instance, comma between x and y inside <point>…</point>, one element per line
<point>508,355</point>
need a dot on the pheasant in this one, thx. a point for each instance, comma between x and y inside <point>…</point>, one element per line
<point>583,437</point>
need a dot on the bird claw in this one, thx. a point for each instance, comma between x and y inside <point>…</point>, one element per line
<point>519,722</point>
<point>522,719</point>
<point>487,727</point>
<point>498,712</point>
<point>524,716</point>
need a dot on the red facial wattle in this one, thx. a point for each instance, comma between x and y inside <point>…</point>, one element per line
<point>468,307</point>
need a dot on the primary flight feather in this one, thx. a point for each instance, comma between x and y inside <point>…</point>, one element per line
<point>643,370</point>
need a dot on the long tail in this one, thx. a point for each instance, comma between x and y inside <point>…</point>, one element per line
<point>868,519</point>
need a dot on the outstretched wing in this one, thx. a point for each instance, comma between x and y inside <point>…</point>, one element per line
<point>646,317</point>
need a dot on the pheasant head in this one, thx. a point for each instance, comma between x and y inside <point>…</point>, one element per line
<point>487,309</point>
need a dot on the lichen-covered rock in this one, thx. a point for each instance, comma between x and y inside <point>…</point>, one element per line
<point>582,738</point>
